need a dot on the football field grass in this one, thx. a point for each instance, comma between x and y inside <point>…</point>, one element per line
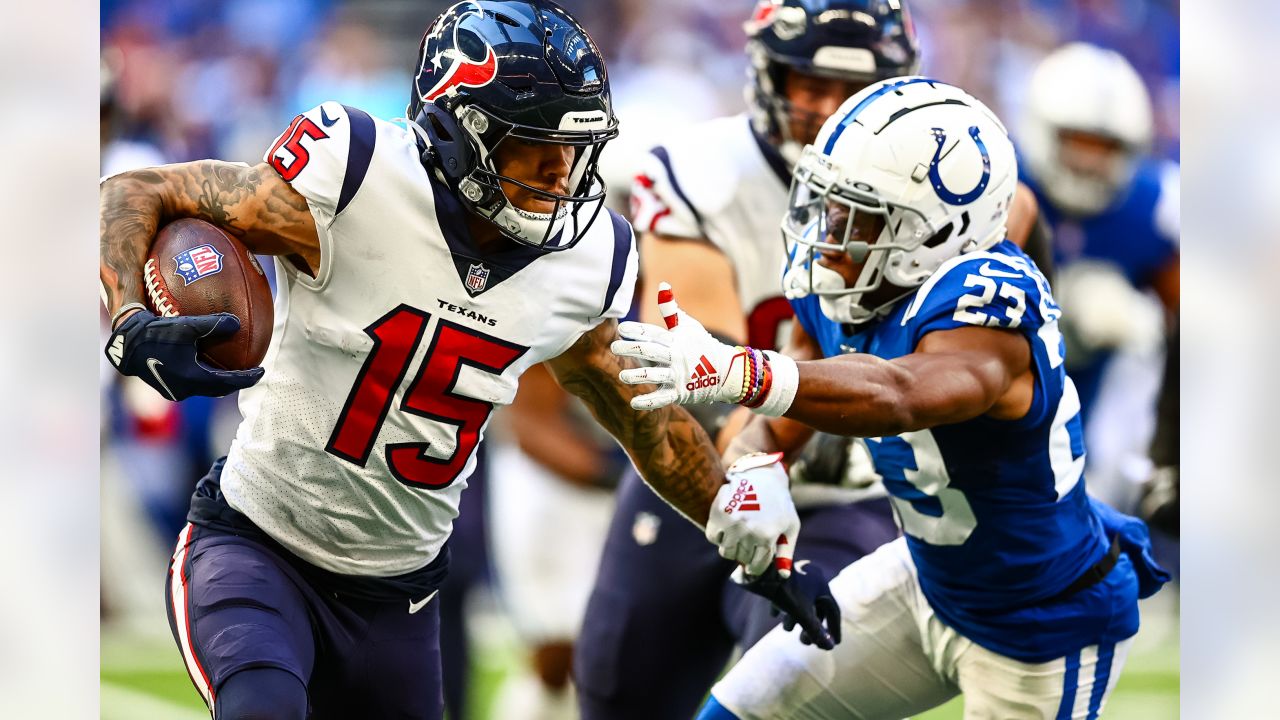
<point>143,679</point>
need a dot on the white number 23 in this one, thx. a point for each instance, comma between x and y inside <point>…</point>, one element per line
<point>1012,314</point>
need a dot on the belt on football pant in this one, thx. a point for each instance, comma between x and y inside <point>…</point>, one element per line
<point>1094,575</point>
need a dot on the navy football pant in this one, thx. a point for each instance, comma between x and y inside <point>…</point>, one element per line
<point>235,606</point>
<point>664,616</point>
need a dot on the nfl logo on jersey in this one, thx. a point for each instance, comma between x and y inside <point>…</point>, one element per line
<point>198,262</point>
<point>477,278</point>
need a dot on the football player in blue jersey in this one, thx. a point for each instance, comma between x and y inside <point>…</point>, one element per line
<point>1085,139</point>
<point>942,350</point>
<point>706,202</point>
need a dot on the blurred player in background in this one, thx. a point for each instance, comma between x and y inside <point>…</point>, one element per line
<point>304,579</point>
<point>1011,586</point>
<point>1086,139</point>
<point>549,502</point>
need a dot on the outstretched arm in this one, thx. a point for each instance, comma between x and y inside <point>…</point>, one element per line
<point>251,203</point>
<point>668,447</point>
<point>954,375</point>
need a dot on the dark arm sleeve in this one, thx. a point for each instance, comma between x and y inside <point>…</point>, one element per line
<point>1040,247</point>
<point>1164,446</point>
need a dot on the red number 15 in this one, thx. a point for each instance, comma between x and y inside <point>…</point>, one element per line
<point>431,395</point>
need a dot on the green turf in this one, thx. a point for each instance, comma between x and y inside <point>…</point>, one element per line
<point>150,666</point>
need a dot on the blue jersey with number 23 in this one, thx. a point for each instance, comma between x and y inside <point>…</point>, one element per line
<point>995,511</point>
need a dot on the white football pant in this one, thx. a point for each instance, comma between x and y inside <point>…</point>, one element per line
<point>897,659</point>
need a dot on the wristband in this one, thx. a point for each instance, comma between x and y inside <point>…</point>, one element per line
<point>124,309</point>
<point>783,382</point>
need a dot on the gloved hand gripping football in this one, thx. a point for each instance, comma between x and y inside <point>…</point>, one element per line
<point>162,351</point>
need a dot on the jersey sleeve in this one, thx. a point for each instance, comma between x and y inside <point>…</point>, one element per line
<point>658,202</point>
<point>324,154</point>
<point>623,272</point>
<point>985,289</point>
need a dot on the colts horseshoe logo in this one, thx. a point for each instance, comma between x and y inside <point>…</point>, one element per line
<point>935,178</point>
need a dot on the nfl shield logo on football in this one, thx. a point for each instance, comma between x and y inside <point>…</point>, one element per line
<point>477,278</point>
<point>198,262</point>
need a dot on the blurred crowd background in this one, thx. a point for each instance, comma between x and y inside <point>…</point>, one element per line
<point>203,79</point>
<point>190,79</point>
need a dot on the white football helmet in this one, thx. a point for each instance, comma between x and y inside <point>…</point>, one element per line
<point>931,159</point>
<point>1085,89</point>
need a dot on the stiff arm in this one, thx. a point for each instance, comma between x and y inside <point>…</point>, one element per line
<point>252,203</point>
<point>669,448</point>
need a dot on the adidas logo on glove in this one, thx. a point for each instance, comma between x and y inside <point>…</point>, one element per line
<point>744,498</point>
<point>703,376</point>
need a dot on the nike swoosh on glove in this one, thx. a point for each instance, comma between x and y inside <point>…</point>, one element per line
<point>753,520</point>
<point>690,366</point>
<point>803,599</point>
<point>162,352</point>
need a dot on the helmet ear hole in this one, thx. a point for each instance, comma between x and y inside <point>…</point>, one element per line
<point>940,237</point>
<point>440,130</point>
<point>452,154</point>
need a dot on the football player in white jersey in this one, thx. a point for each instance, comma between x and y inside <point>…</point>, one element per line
<point>423,267</point>
<point>940,346</point>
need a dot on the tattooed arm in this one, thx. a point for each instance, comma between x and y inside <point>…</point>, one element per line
<point>672,452</point>
<point>251,203</point>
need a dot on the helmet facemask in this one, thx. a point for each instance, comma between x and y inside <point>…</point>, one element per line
<point>483,193</point>
<point>817,198</point>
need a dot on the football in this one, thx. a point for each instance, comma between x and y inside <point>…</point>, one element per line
<point>194,268</point>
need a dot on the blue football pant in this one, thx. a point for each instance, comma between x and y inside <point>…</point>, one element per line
<point>236,605</point>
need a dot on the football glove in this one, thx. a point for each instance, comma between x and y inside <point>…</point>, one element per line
<point>753,520</point>
<point>803,599</point>
<point>162,352</point>
<point>692,367</point>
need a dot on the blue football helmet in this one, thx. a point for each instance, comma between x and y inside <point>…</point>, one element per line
<point>489,70</point>
<point>860,41</point>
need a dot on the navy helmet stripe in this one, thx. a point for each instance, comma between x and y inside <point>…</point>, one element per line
<point>665,158</point>
<point>359,153</point>
<point>621,249</point>
<point>862,105</point>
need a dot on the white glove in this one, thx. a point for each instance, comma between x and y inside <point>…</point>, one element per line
<point>692,367</point>
<point>753,520</point>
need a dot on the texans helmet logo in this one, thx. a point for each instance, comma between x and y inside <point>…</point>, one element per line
<point>464,72</point>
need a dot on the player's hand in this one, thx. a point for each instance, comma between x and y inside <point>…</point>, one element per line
<point>162,351</point>
<point>689,365</point>
<point>804,599</point>
<point>753,520</point>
